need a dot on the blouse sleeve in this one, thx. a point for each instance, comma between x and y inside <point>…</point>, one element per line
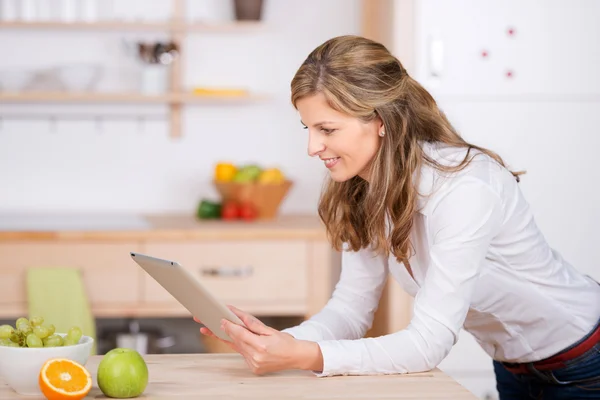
<point>462,223</point>
<point>350,311</point>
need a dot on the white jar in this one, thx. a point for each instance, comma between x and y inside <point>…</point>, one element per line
<point>154,79</point>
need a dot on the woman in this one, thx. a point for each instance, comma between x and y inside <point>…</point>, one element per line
<point>408,196</point>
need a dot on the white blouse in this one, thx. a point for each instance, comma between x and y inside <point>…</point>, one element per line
<point>481,263</point>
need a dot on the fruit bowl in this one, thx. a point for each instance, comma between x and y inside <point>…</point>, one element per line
<point>265,197</point>
<point>20,366</point>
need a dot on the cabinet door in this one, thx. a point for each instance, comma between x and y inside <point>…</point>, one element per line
<point>267,277</point>
<point>111,279</point>
<point>549,47</point>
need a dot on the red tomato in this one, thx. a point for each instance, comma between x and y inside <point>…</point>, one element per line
<point>230,210</point>
<point>248,212</point>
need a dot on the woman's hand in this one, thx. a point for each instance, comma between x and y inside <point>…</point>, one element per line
<point>266,349</point>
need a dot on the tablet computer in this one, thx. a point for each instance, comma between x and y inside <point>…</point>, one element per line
<point>188,291</point>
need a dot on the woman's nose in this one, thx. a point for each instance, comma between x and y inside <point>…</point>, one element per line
<point>315,145</point>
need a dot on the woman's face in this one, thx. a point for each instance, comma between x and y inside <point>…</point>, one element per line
<point>346,144</point>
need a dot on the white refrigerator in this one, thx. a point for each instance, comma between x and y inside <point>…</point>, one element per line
<point>522,77</point>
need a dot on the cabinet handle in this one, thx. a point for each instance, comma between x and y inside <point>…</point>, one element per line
<point>435,56</point>
<point>224,271</point>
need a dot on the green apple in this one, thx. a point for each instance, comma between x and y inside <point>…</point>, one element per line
<point>248,173</point>
<point>122,374</point>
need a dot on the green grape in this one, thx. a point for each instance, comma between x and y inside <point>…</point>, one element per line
<point>34,341</point>
<point>6,331</point>
<point>8,343</point>
<point>24,327</point>
<point>74,334</point>
<point>17,337</point>
<point>51,329</point>
<point>22,321</point>
<point>69,342</point>
<point>36,321</point>
<point>53,341</point>
<point>41,331</point>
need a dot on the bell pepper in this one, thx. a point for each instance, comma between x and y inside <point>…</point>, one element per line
<point>209,210</point>
<point>224,172</point>
<point>230,210</point>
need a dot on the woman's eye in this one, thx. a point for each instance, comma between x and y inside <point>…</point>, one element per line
<point>327,131</point>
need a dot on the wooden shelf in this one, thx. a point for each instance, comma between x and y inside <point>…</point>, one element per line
<point>170,98</point>
<point>177,28</point>
<point>234,26</point>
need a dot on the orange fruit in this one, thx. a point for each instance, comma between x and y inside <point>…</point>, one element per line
<point>62,379</point>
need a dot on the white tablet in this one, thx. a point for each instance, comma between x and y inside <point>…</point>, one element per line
<point>189,291</point>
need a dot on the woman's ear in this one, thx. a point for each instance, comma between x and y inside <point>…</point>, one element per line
<point>380,127</point>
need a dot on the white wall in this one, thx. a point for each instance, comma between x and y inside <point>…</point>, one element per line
<point>124,166</point>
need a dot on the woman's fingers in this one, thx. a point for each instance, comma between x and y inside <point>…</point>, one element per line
<point>251,322</point>
<point>207,332</point>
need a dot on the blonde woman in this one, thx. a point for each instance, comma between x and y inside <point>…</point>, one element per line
<point>409,197</point>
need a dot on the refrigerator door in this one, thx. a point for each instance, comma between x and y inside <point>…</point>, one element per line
<point>520,78</point>
<point>534,48</point>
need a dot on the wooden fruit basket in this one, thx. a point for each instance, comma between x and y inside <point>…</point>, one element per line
<point>265,197</point>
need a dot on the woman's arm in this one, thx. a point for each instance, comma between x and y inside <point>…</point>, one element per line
<point>350,311</point>
<point>463,223</point>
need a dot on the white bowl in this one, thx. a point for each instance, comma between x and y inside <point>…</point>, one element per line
<point>20,367</point>
<point>80,77</point>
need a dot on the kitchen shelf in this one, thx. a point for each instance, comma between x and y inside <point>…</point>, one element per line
<point>177,28</point>
<point>170,98</point>
<point>234,27</point>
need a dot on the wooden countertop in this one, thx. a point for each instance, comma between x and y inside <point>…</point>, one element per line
<point>225,376</point>
<point>156,227</point>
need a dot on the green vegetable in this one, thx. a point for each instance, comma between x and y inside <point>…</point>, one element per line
<point>209,210</point>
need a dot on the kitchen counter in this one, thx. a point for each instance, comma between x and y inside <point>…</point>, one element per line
<point>127,227</point>
<point>215,376</point>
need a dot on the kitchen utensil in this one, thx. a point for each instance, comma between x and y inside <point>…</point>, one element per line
<point>144,341</point>
<point>248,9</point>
<point>154,79</point>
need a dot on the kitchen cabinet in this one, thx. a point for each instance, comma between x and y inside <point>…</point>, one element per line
<point>280,267</point>
<point>110,281</point>
<point>269,276</point>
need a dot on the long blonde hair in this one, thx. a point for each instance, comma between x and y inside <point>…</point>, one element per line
<point>361,78</point>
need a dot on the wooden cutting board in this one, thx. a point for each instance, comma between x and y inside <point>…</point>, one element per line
<point>225,376</point>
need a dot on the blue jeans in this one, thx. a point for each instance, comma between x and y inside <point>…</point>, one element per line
<point>579,379</point>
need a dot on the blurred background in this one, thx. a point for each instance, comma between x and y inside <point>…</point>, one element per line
<point>166,127</point>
